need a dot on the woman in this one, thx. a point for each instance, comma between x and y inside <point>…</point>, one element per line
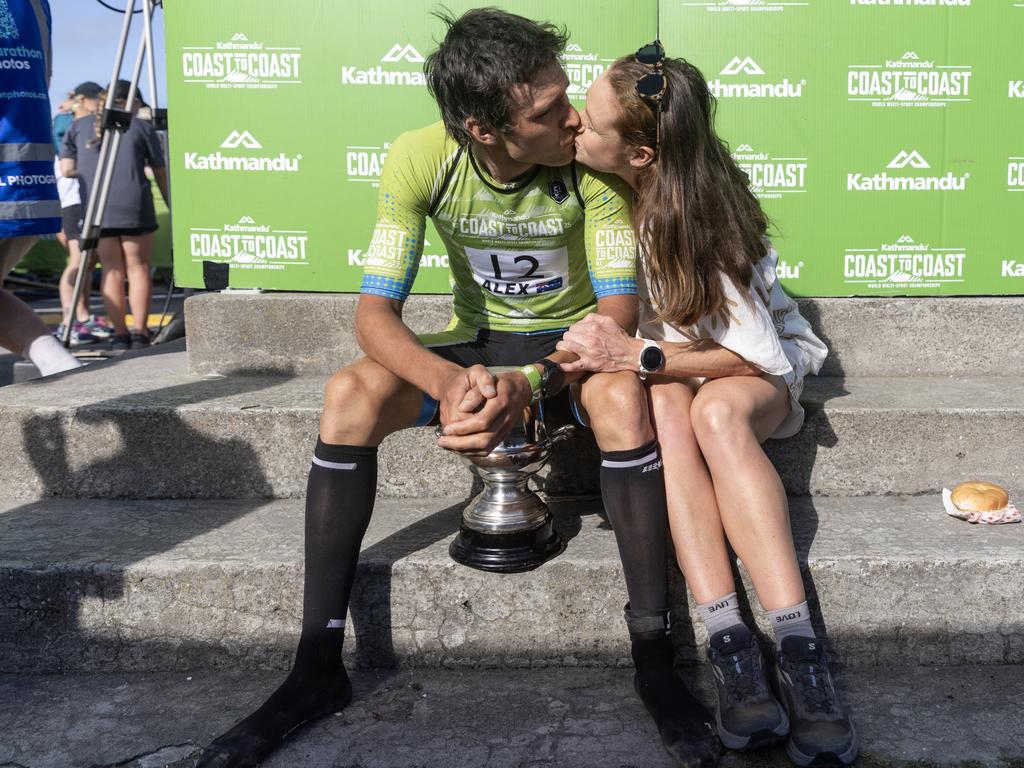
<point>726,351</point>
<point>129,221</point>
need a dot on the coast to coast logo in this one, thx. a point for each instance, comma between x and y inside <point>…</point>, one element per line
<point>247,244</point>
<point>754,82</point>
<point>364,164</point>
<point>582,68</point>
<point>236,159</point>
<point>241,63</point>
<point>401,64</point>
<point>771,177</point>
<point>909,81</point>
<point>903,265</point>
<point>745,6</point>
<point>908,162</point>
<point>1015,174</point>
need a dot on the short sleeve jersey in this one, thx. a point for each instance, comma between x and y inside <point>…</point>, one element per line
<point>526,257</point>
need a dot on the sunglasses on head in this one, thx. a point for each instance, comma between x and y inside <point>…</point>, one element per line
<point>652,86</point>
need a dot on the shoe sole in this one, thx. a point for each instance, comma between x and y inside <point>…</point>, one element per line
<point>761,738</point>
<point>824,759</point>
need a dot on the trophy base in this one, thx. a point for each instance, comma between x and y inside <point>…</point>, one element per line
<point>507,552</point>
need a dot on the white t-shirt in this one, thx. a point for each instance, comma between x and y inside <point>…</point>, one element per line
<point>67,189</point>
<point>764,327</point>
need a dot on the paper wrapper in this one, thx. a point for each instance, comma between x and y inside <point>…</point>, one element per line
<point>1007,514</point>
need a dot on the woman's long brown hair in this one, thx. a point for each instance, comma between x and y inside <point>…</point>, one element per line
<point>695,215</point>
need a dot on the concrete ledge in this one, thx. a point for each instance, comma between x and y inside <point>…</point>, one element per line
<point>301,334</point>
<point>161,585</point>
<point>144,428</point>
<point>566,718</point>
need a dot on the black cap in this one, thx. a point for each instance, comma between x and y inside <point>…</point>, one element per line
<point>121,89</point>
<point>89,89</point>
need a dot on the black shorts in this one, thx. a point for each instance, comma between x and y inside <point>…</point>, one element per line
<point>72,220</point>
<point>482,346</point>
<point>127,231</point>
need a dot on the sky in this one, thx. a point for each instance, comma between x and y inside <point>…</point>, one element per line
<point>85,37</point>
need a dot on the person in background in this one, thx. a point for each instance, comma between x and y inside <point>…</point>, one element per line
<point>87,328</point>
<point>29,205</point>
<point>129,220</point>
<point>725,352</point>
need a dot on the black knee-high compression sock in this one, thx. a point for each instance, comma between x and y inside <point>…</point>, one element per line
<point>339,502</point>
<point>633,490</point>
<point>686,727</point>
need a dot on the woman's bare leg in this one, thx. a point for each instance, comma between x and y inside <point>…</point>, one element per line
<point>112,284</point>
<point>138,251</point>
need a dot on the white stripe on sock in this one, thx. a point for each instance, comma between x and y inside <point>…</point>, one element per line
<point>632,463</point>
<point>336,624</point>
<point>331,464</point>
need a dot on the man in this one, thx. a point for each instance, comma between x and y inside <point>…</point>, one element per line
<point>527,233</point>
<point>29,206</point>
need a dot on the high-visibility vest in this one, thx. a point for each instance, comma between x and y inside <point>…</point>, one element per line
<point>29,204</point>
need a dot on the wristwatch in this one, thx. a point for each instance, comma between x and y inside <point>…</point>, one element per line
<point>652,358</point>
<point>552,378</point>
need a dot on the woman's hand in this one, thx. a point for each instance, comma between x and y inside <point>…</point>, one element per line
<point>602,346</point>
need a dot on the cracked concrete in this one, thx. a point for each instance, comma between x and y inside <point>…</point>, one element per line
<point>146,585</point>
<point>957,716</point>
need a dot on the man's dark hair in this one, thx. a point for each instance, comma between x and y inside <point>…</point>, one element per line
<point>484,54</point>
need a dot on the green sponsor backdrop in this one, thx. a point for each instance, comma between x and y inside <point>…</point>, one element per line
<point>883,136</point>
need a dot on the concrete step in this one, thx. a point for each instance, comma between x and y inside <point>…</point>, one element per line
<point>958,336</point>
<point>159,585</point>
<point>145,428</point>
<point>567,718</point>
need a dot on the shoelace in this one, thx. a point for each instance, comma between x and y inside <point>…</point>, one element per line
<point>814,685</point>
<point>741,679</point>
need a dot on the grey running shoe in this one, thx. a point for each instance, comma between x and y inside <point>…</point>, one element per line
<point>748,714</point>
<point>821,733</point>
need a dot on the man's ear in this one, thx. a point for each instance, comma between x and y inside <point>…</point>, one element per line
<point>480,133</point>
<point>640,157</point>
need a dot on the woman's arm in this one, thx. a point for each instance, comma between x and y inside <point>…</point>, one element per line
<point>603,346</point>
<point>68,168</point>
<point>160,175</point>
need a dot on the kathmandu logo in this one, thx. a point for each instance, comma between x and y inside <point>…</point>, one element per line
<point>244,139</point>
<point>217,161</point>
<point>1017,89</point>
<point>378,75</point>
<point>1012,268</point>
<point>910,56</point>
<point>754,90</point>
<point>573,48</point>
<point>747,65</point>
<point>771,177</point>
<point>913,159</point>
<point>239,38</point>
<point>904,160</point>
<point>248,245</point>
<point>904,265</point>
<point>399,52</point>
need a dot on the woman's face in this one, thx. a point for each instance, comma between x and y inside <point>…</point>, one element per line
<point>598,144</point>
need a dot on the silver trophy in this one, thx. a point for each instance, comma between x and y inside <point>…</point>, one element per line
<point>508,528</point>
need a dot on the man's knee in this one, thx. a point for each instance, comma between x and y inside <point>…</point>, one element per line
<point>356,387</point>
<point>616,404</point>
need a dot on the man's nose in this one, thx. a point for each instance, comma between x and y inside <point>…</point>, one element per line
<point>573,121</point>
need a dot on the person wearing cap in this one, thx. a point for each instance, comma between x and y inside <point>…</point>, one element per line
<point>29,205</point>
<point>86,328</point>
<point>128,224</point>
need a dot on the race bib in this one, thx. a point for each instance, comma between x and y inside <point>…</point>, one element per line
<point>520,273</point>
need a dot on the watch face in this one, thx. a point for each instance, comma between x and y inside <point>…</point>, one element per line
<point>652,358</point>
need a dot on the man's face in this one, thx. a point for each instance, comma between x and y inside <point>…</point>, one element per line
<point>544,123</point>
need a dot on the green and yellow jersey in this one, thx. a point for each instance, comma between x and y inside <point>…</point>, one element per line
<point>524,257</point>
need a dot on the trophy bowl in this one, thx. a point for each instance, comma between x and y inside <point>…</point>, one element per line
<point>507,528</point>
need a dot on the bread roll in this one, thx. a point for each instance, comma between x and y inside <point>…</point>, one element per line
<point>978,496</point>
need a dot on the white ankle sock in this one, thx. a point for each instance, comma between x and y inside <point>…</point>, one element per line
<point>50,357</point>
